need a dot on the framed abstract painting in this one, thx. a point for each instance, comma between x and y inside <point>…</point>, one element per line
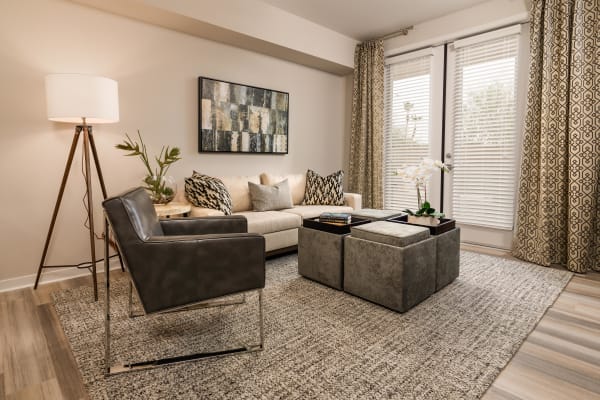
<point>236,118</point>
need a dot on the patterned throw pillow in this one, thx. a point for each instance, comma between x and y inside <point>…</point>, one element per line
<point>207,192</point>
<point>326,190</point>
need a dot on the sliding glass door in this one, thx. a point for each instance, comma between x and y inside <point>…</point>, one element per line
<point>477,135</point>
<point>482,136</point>
<point>412,125</point>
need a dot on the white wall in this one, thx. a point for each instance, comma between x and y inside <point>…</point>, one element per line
<point>157,71</point>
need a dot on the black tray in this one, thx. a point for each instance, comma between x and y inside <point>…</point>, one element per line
<point>314,223</point>
<point>444,226</point>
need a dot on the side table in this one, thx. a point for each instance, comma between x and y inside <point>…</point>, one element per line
<point>172,209</point>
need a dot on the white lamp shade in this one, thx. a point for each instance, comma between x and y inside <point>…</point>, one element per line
<point>72,97</point>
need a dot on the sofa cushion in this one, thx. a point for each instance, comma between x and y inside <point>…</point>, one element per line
<point>324,189</point>
<point>207,192</point>
<point>315,211</point>
<point>297,184</point>
<point>270,221</point>
<point>281,239</point>
<point>239,192</point>
<point>270,197</point>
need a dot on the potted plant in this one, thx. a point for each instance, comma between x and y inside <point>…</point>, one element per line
<point>420,175</point>
<point>159,185</point>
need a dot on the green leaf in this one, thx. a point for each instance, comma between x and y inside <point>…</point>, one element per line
<point>166,157</point>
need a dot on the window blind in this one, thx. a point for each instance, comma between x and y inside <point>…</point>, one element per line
<point>485,136</point>
<point>406,126</point>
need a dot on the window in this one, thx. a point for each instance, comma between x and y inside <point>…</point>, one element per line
<point>484,130</point>
<point>406,125</point>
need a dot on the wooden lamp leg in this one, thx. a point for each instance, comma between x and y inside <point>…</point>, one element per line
<point>57,204</point>
<point>88,142</point>
<point>90,205</point>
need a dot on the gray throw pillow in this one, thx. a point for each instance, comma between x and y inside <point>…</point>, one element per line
<point>266,198</point>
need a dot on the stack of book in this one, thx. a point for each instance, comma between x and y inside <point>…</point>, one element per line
<point>335,218</point>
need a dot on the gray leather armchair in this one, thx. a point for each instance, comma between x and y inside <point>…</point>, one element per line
<point>177,264</point>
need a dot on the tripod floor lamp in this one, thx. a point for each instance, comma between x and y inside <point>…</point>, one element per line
<point>81,100</point>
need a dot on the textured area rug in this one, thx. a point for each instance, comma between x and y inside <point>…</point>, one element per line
<point>321,343</point>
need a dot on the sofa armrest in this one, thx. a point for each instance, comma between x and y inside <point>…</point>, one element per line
<point>353,200</point>
<point>204,225</point>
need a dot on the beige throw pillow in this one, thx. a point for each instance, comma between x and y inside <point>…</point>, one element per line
<point>267,198</point>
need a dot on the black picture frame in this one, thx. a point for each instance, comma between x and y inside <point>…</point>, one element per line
<point>236,118</point>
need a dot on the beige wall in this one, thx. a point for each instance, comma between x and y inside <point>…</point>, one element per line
<point>157,71</point>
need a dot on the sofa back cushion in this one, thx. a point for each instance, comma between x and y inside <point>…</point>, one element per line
<point>239,192</point>
<point>297,183</point>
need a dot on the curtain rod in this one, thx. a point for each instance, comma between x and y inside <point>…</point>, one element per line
<point>401,32</point>
<point>394,52</point>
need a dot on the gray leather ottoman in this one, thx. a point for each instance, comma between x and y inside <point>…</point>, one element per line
<point>390,264</point>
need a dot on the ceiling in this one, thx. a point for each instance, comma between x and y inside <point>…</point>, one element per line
<point>369,19</point>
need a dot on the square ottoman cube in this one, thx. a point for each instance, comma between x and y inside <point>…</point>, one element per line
<point>390,264</point>
<point>448,257</point>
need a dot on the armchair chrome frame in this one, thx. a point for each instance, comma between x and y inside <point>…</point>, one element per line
<point>110,370</point>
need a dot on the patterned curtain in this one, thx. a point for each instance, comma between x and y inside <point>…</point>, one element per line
<point>558,216</point>
<point>366,143</point>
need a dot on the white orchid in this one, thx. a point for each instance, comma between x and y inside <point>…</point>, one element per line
<point>420,176</point>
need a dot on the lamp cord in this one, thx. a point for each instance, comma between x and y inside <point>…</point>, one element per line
<point>85,203</point>
<point>88,264</point>
<point>86,223</point>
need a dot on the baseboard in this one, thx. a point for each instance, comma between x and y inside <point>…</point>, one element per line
<point>53,275</point>
<point>495,251</point>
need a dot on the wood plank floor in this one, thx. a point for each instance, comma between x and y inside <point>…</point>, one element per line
<point>559,360</point>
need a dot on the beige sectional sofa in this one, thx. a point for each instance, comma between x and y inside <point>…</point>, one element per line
<point>280,228</point>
